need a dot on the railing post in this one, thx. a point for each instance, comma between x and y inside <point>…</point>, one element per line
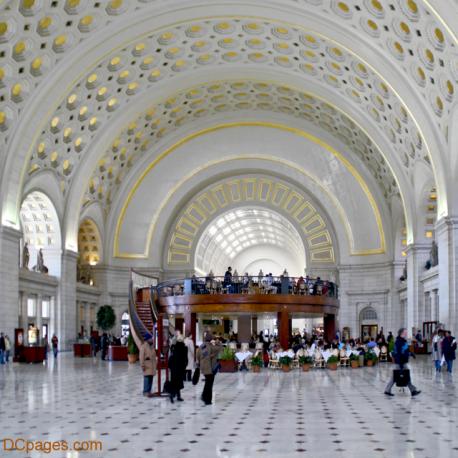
<point>284,285</point>
<point>187,286</point>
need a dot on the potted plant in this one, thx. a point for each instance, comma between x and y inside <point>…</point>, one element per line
<point>227,360</point>
<point>332,362</point>
<point>132,350</point>
<point>306,362</point>
<point>256,363</point>
<point>354,361</point>
<point>371,358</point>
<point>285,363</point>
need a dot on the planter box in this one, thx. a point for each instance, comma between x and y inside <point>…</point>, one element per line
<point>228,365</point>
<point>305,367</point>
<point>285,368</point>
<point>332,366</point>
<point>369,363</point>
<point>354,364</point>
<point>256,369</point>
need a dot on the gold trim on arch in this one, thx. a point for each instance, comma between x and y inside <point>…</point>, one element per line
<point>282,127</point>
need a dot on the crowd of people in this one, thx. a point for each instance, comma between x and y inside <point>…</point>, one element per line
<point>233,283</point>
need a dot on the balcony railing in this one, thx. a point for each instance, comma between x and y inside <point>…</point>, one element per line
<point>249,285</point>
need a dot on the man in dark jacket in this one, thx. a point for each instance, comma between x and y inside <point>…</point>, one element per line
<point>2,349</point>
<point>401,355</point>
<point>178,361</point>
<point>448,350</point>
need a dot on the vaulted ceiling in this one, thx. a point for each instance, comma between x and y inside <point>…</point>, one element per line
<point>90,91</point>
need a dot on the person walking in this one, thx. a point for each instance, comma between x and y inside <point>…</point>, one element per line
<point>7,348</point>
<point>178,361</point>
<point>148,363</point>
<point>207,359</point>
<point>448,350</point>
<point>54,343</point>
<point>436,353</point>
<point>191,353</point>
<point>401,358</point>
<point>2,348</point>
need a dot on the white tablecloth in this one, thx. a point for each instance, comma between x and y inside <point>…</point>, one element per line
<point>242,355</point>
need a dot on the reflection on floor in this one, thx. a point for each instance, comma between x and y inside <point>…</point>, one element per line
<point>272,414</point>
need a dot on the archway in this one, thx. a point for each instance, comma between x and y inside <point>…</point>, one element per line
<point>41,230</point>
<point>368,321</point>
<point>250,239</point>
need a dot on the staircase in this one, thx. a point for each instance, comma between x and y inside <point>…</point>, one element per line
<point>145,314</point>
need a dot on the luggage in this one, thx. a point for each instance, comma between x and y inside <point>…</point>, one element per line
<point>196,376</point>
<point>401,377</point>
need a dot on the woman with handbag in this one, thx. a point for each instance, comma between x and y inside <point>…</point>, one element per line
<point>178,361</point>
<point>207,361</point>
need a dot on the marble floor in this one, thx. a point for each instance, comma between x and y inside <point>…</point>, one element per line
<point>315,414</point>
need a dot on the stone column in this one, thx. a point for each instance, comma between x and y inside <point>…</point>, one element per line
<point>447,241</point>
<point>23,312</point>
<point>434,306</point>
<point>283,329</point>
<point>417,255</point>
<point>87,319</point>
<point>9,279</point>
<point>38,317</point>
<point>66,304</point>
<point>52,318</point>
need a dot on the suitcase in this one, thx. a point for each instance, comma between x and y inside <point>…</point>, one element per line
<point>401,377</point>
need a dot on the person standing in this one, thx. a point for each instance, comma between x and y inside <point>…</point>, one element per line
<point>148,363</point>
<point>178,361</point>
<point>2,348</point>
<point>54,343</point>
<point>104,345</point>
<point>207,359</point>
<point>191,352</point>
<point>448,350</point>
<point>437,349</point>
<point>7,348</point>
<point>401,358</point>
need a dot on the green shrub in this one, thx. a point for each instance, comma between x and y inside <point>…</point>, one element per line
<point>285,361</point>
<point>227,354</point>
<point>332,359</point>
<point>257,361</point>
<point>106,317</point>
<point>305,360</point>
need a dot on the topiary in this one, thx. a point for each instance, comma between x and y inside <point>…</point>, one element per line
<point>106,317</point>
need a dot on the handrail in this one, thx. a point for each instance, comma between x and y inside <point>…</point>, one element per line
<point>140,333</point>
<point>247,285</point>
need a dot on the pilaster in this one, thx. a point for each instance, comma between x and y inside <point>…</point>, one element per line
<point>9,279</point>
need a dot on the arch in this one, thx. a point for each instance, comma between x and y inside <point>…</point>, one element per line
<point>238,192</point>
<point>229,237</point>
<point>89,243</point>
<point>217,142</point>
<point>41,230</point>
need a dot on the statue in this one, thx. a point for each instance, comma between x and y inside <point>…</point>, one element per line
<point>25,256</point>
<point>434,254</point>
<point>40,266</point>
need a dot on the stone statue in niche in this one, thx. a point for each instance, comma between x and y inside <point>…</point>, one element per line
<point>40,266</point>
<point>25,256</point>
<point>434,254</point>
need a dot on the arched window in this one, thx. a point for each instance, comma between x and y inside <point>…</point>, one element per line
<point>368,314</point>
<point>41,230</point>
